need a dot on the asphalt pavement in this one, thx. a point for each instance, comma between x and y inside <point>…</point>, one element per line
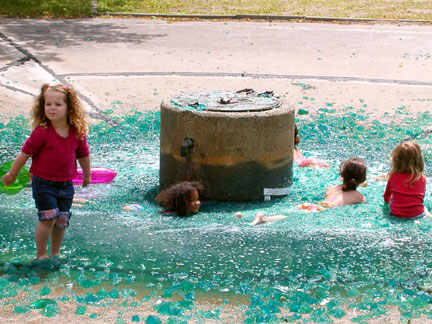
<point>121,65</point>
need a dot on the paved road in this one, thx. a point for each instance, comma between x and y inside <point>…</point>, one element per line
<point>125,64</point>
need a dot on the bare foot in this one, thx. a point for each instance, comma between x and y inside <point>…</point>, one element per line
<point>238,215</point>
<point>259,219</point>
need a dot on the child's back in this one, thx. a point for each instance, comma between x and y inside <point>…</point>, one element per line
<point>406,199</point>
<point>353,173</point>
<point>335,196</point>
<point>406,185</point>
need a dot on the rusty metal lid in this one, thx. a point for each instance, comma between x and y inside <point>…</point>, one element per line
<point>245,100</point>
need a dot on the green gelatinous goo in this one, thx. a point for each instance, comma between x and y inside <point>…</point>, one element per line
<point>302,111</point>
<point>152,319</point>
<point>42,303</point>
<point>50,310</point>
<point>81,310</point>
<point>22,178</point>
<point>316,265</point>
<point>20,309</point>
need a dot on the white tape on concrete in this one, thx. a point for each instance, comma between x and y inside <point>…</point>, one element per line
<point>269,192</point>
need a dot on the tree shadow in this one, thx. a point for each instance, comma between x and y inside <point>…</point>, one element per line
<point>38,35</point>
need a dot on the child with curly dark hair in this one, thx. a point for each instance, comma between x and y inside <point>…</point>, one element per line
<point>181,198</point>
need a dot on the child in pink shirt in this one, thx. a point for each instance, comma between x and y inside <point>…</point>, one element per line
<point>57,141</point>
<point>406,185</point>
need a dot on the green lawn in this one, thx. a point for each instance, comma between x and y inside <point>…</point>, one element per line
<point>45,8</point>
<point>384,9</point>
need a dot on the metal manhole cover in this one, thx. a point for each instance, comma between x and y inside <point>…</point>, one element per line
<point>246,100</point>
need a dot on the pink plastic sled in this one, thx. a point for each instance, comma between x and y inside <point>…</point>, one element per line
<point>98,175</point>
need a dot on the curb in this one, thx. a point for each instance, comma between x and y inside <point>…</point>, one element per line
<point>253,17</point>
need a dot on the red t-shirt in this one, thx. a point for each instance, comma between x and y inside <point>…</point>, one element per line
<point>405,201</point>
<point>53,156</point>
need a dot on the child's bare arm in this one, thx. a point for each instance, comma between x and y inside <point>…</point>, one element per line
<point>85,166</point>
<point>19,162</point>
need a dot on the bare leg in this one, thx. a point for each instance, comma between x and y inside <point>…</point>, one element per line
<point>275,218</point>
<point>260,218</point>
<point>56,240</point>
<point>428,214</point>
<point>43,231</point>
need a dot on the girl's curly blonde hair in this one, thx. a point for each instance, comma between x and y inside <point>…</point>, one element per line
<point>75,112</point>
<point>407,158</point>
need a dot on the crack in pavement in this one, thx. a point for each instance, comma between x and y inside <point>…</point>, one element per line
<point>252,75</point>
<point>93,112</point>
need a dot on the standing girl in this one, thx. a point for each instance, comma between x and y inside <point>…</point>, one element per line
<point>57,141</point>
<point>406,185</point>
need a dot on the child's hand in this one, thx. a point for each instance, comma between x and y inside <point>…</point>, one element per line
<point>8,179</point>
<point>86,181</point>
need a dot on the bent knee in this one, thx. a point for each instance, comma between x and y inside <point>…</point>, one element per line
<point>48,215</point>
<point>63,220</point>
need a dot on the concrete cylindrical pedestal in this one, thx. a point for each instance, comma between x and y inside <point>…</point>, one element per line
<point>236,144</point>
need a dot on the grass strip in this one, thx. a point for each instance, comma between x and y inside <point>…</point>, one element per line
<point>45,8</point>
<point>375,9</point>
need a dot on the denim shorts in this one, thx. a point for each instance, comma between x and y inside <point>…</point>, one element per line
<point>414,217</point>
<point>53,199</point>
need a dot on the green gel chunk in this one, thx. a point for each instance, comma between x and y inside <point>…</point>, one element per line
<point>44,291</point>
<point>189,296</point>
<point>41,303</point>
<point>21,309</point>
<point>210,314</point>
<point>305,309</point>
<point>187,285</point>
<point>50,310</point>
<point>337,312</point>
<point>152,319</point>
<point>167,293</point>
<point>114,293</point>
<point>129,292</point>
<point>4,283</point>
<point>302,112</point>
<point>173,320</point>
<point>353,292</point>
<point>135,318</point>
<point>169,308</point>
<point>81,310</point>
<point>102,293</point>
<point>34,280</point>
